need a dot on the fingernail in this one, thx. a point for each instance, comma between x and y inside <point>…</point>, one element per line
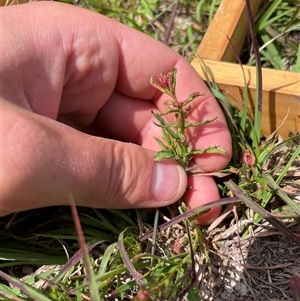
<point>168,182</point>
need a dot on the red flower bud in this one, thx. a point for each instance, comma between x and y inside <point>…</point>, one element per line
<point>249,158</point>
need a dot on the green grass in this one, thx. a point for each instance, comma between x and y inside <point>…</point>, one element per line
<point>278,30</point>
<point>128,254</point>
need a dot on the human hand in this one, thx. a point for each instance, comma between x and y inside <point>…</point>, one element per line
<point>75,90</point>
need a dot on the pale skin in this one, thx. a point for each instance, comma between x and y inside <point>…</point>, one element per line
<point>74,92</point>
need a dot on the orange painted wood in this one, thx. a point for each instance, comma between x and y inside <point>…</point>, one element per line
<point>278,86</point>
<point>230,20</point>
<point>278,90</point>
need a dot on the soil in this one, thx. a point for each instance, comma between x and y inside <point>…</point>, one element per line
<point>257,268</point>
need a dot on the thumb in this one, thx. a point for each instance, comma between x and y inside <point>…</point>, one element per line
<point>44,161</point>
<point>129,178</point>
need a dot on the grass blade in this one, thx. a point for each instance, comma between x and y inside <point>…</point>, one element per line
<point>258,101</point>
<point>261,211</point>
<point>136,276</point>
<point>27,289</point>
<point>89,270</point>
<point>280,193</point>
<point>190,214</point>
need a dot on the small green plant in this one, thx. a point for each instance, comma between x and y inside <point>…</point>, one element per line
<point>174,134</point>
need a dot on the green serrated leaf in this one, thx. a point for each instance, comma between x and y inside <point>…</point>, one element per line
<point>191,97</point>
<point>200,123</point>
<point>210,150</point>
<point>164,155</point>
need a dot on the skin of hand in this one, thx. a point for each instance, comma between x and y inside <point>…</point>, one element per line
<point>75,115</point>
